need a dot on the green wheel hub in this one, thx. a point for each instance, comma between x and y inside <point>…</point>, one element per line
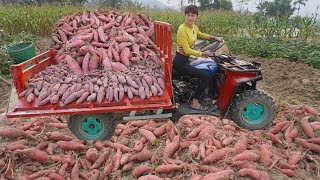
<point>91,128</point>
<point>254,113</point>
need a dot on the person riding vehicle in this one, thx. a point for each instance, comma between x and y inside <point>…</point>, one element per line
<point>187,35</point>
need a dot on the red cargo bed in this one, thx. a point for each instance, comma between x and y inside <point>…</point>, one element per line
<point>23,71</point>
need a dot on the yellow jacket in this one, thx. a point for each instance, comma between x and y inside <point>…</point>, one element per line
<point>186,37</point>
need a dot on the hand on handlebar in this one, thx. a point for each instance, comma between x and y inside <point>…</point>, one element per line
<point>207,53</point>
<point>219,39</point>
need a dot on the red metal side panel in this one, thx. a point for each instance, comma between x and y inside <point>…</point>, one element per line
<point>232,79</point>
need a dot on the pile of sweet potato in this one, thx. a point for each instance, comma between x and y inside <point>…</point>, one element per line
<point>197,147</point>
<point>112,40</point>
<point>102,57</point>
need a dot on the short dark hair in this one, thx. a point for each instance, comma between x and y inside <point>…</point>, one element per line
<point>191,9</point>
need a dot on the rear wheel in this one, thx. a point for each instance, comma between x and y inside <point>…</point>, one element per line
<point>252,109</point>
<point>92,126</point>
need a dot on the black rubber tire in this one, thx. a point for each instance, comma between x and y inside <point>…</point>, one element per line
<point>252,96</point>
<point>74,124</point>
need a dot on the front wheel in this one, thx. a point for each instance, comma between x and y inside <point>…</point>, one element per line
<point>92,126</point>
<point>252,109</point>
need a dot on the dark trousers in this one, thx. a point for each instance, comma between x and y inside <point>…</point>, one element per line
<point>182,66</point>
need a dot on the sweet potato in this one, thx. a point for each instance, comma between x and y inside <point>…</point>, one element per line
<point>16,145</point>
<point>314,140</point>
<point>127,167</point>
<point>241,145</point>
<point>35,154</point>
<point>288,172</point>
<point>306,126</point>
<point>125,158</point>
<point>73,65</point>
<point>9,132</point>
<point>85,63</point>
<point>172,147</point>
<point>144,155</point>
<point>149,135</point>
<point>117,66</point>
<point>265,156</point>
<point>108,167</point>
<point>140,170</point>
<point>149,177</point>
<point>100,95</point>
<point>62,170</point>
<point>42,145</point>
<point>75,44</point>
<point>71,145</point>
<point>98,145</point>
<point>310,110</point>
<point>277,128</point>
<point>83,97</point>
<point>125,55</point>
<point>138,146</point>
<point>207,168</point>
<point>55,176</point>
<point>246,156</point>
<point>285,165</point>
<point>131,83</point>
<point>75,172</point>
<point>50,148</point>
<point>46,100</point>
<point>217,155</point>
<point>223,175</point>
<point>294,133</point>
<point>274,138</point>
<point>62,89</point>
<point>160,130</point>
<point>255,174</point>
<point>39,174</point>
<point>101,159</point>
<point>92,154</point>
<point>304,143</point>
<point>168,168</point>
<point>93,63</point>
<point>92,97</point>
<point>116,159</point>
<point>102,36</point>
<point>30,97</point>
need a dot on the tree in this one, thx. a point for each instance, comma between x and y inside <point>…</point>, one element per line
<point>215,4</point>
<point>276,9</point>
<point>226,4</point>
<point>192,2</point>
<point>242,2</point>
<point>299,3</point>
<point>110,3</point>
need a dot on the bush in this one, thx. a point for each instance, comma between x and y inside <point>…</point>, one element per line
<point>294,50</point>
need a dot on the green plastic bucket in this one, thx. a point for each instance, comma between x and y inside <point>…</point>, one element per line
<point>21,52</point>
